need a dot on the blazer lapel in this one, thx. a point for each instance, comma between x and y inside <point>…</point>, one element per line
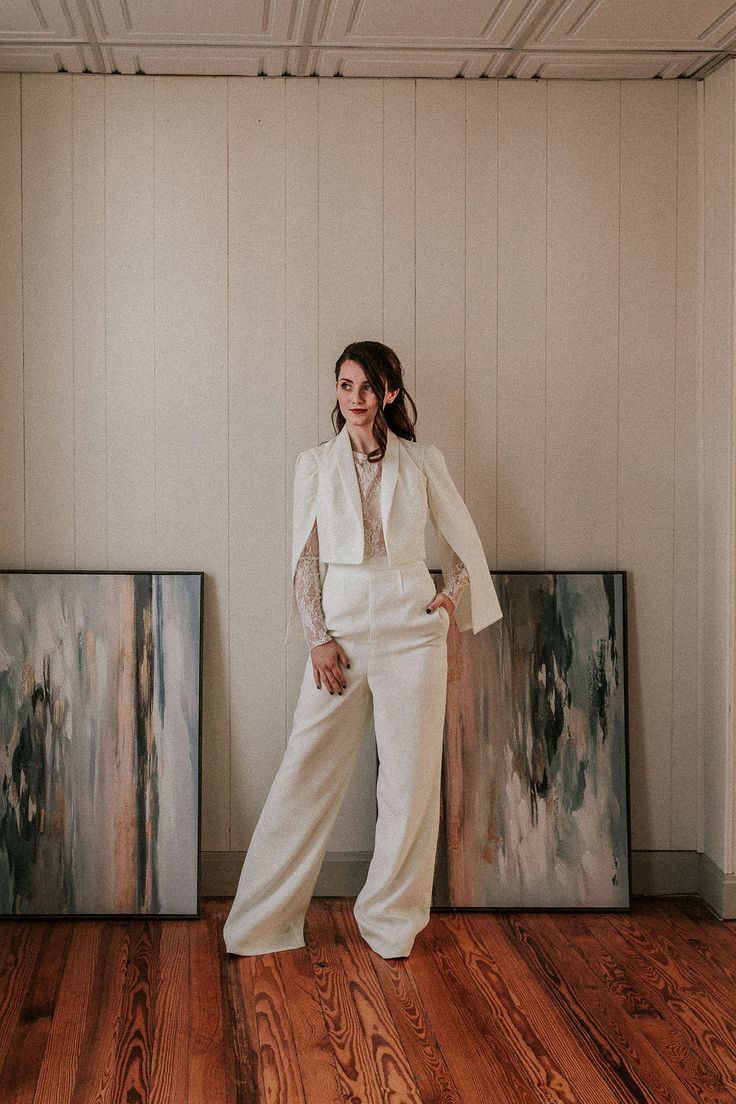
<point>389,472</point>
<point>348,474</point>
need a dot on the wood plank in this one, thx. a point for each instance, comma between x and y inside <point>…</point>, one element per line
<point>697,1006</point>
<point>612,1037</point>
<point>314,1050</point>
<point>172,1014</point>
<point>21,1071</point>
<point>279,1055</point>
<point>369,1058</point>
<point>21,948</point>
<point>565,1007</point>
<point>58,1073</point>
<point>211,1059</point>
<point>241,1034</point>
<point>97,1059</point>
<point>650,1004</point>
<point>476,1044</point>
<point>544,1041</point>
<point>414,1028</point>
<point>132,1073</point>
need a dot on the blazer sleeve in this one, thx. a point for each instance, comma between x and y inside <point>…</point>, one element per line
<point>478,605</point>
<point>304,512</point>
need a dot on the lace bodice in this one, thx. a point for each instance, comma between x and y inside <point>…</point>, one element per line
<point>307,582</point>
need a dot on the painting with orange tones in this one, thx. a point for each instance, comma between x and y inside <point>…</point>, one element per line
<point>535,805</point>
<point>100,718</point>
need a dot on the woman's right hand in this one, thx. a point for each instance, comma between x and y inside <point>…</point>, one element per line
<point>326,660</point>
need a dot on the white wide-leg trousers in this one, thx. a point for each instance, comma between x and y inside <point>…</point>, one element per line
<point>398,671</point>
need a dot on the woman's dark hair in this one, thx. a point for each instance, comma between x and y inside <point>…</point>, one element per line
<point>383,371</point>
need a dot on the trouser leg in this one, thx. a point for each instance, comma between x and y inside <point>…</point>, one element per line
<point>288,844</point>
<point>409,697</point>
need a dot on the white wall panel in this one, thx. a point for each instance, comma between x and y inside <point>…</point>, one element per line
<point>399,237</point>
<point>440,274</point>
<point>48,342</point>
<point>481,305</point>
<point>350,225</point>
<point>88,275</point>
<point>582,324</point>
<point>301,323</point>
<point>522,291</point>
<point>195,260</point>
<point>12,482</point>
<point>648,246</point>
<point>129,323</point>
<point>717,480</point>
<point>191,391</point>
<point>257,464</point>
<point>351,240</point>
<point>684,781</point>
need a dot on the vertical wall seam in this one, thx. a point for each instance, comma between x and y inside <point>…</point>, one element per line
<point>546,308</point>
<point>465,297</point>
<point>285,378</point>
<point>699,354</point>
<point>155,440</point>
<point>104,321</point>
<point>227,481</point>
<point>618,335</point>
<point>674,461</point>
<point>498,393</point>
<point>730,758</point>
<point>21,84</point>
<point>74,344</point>
<point>319,247</point>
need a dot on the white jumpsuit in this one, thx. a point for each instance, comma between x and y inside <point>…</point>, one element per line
<point>398,672</point>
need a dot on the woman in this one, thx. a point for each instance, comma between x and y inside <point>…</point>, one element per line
<point>363,597</point>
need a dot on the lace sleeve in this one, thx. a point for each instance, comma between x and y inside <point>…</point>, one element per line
<point>458,579</point>
<point>308,592</point>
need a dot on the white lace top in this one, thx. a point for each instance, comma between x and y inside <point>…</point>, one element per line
<point>307,583</point>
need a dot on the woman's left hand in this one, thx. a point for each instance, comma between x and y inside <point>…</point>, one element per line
<point>442,600</point>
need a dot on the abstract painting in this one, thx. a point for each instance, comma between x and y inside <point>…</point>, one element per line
<point>100,718</point>
<point>535,808</point>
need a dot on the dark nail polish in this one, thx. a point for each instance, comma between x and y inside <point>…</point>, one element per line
<point>427,611</point>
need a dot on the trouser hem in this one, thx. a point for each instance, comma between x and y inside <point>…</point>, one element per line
<point>266,948</point>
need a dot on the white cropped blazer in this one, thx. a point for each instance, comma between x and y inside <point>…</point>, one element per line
<point>414,480</point>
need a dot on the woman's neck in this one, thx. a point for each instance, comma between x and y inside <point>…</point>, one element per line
<point>364,442</point>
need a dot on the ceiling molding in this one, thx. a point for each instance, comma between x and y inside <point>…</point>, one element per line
<point>468,39</point>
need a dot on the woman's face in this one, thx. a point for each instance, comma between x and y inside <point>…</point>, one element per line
<point>357,400</point>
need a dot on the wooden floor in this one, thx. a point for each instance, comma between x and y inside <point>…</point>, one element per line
<point>490,1007</point>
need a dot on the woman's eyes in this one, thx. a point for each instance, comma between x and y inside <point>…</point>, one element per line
<point>367,386</point>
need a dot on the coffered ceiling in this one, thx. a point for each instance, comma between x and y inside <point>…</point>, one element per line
<point>573,39</point>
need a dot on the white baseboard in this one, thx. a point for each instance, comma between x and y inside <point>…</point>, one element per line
<point>653,873</point>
